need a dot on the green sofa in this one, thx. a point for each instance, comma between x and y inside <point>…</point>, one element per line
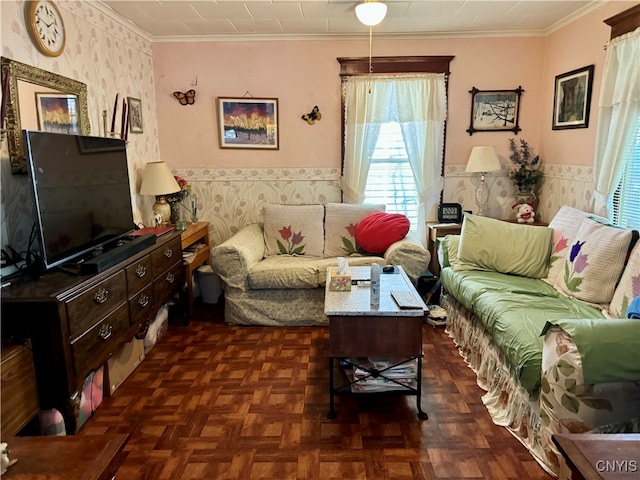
<point>549,360</point>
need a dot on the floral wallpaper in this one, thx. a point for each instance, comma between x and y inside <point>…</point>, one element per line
<point>110,58</point>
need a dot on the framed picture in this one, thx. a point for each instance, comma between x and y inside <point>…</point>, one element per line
<point>495,110</point>
<point>248,122</point>
<point>57,112</point>
<point>135,115</point>
<point>572,99</point>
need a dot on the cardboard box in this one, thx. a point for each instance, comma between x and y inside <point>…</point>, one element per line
<point>123,362</point>
<point>339,283</point>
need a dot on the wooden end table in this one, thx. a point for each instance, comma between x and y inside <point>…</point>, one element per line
<point>436,231</point>
<point>600,456</point>
<point>194,234</point>
<point>86,457</point>
<point>358,331</point>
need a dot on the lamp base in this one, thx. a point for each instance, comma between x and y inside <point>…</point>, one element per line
<point>161,211</point>
<point>482,197</point>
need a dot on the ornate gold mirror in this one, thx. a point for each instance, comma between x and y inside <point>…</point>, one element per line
<point>37,100</point>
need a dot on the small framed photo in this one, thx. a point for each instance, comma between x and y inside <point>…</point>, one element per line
<point>135,115</point>
<point>58,112</point>
<point>248,122</point>
<point>495,110</point>
<point>572,99</point>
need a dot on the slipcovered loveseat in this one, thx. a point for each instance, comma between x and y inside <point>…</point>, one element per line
<point>274,273</point>
<point>539,314</point>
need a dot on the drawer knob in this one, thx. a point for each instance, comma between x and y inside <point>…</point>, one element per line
<point>105,332</point>
<point>101,296</point>
<point>143,301</point>
<point>168,252</point>
<point>141,271</point>
<point>170,277</point>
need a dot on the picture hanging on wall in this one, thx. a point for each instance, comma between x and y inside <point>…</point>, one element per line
<point>57,112</point>
<point>248,122</point>
<point>135,115</point>
<point>495,110</point>
<point>572,99</point>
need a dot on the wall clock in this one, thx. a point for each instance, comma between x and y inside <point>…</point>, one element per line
<point>46,27</point>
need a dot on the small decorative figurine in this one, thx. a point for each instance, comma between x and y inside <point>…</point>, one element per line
<point>312,116</point>
<point>4,458</point>
<point>526,212</point>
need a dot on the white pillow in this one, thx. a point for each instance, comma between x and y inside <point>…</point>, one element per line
<point>293,230</point>
<point>629,286</point>
<point>565,224</point>
<point>340,221</point>
<point>594,262</point>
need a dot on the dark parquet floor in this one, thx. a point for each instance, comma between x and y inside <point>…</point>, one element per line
<point>212,401</point>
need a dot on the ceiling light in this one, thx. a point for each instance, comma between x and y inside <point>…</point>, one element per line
<point>371,12</point>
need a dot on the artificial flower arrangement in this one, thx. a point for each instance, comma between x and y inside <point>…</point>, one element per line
<point>525,171</point>
<point>185,190</point>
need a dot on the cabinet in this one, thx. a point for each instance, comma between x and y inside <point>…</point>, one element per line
<point>18,386</point>
<point>75,322</point>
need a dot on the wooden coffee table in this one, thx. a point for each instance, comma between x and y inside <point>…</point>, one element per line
<point>359,331</point>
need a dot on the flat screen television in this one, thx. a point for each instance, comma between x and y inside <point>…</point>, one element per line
<point>81,193</point>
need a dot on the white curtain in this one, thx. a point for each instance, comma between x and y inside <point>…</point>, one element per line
<point>418,103</point>
<point>618,110</point>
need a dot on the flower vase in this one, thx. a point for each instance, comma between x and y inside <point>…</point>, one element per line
<point>525,196</point>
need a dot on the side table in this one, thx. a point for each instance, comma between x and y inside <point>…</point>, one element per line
<point>196,233</point>
<point>87,457</point>
<point>435,231</point>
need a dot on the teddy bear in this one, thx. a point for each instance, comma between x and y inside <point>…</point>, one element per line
<point>526,212</point>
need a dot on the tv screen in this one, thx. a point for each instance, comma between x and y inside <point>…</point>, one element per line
<point>81,193</point>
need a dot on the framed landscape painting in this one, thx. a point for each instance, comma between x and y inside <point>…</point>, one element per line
<point>248,122</point>
<point>495,110</point>
<point>57,112</point>
<point>572,99</point>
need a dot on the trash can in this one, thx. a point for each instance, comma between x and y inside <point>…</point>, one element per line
<point>210,284</point>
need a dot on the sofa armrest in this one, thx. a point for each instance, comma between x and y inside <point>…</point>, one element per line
<point>569,403</point>
<point>233,259</point>
<point>410,254</point>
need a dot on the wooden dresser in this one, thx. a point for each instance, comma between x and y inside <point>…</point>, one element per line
<point>19,397</point>
<point>75,322</point>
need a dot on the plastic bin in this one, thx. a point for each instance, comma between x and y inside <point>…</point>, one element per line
<point>210,284</point>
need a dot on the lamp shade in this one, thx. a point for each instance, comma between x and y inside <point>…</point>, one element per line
<point>483,159</point>
<point>158,180</point>
<point>371,12</point>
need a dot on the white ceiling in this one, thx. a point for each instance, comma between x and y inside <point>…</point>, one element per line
<point>230,19</point>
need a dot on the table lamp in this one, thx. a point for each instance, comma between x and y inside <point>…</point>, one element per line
<point>157,180</point>
<point>483,159</point>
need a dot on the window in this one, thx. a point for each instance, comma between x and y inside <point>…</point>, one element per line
<point>390,180</point>
<point>625,206</point>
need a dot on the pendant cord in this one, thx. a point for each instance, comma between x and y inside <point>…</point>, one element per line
<point>370,48</point>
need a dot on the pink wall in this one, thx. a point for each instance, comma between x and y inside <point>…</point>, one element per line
<point>302,74</point>
<point>575,46</point>
<point>306,73</point>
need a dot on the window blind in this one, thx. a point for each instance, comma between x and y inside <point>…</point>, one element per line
<point>626,199</point>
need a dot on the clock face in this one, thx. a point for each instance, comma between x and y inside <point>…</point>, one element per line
<point>47,27</point>
<point>450,213</point>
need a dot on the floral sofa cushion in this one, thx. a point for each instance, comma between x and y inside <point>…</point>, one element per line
<point>629,286</point>
<point>595,261</point>
<point>294,230</point>
<point>341,220</point>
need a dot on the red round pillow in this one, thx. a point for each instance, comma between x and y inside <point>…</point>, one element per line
<point>377,231</point>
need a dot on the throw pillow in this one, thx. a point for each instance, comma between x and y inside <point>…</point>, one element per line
<point>293,230</point>
<point>377,231</point>
<point>340,222</point>
<point>565,224</point>
<point>595,262</point>
<point>505,247</point>
<point>629,286</point>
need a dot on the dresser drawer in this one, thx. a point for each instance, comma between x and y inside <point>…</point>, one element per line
<point>168,283</point>
<point>18,385</point>
<point>86,309</point>
<point>139,274</point>
<point>141,305</point>
<point>163,257</point>
<point>93,348</point>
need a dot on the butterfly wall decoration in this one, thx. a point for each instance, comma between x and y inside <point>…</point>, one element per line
<point>312,116</point>
<point>186,98</point>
